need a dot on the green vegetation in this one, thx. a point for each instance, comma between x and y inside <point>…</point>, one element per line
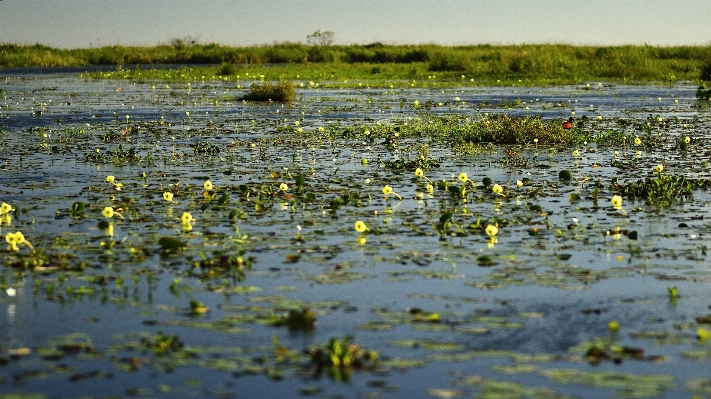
<point>481,64</point>
<point>266,91</point>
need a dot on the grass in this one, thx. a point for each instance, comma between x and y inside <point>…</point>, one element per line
<point>485,64</point>
<point>266,91</point>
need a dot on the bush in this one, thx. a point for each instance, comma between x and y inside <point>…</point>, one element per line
<point>266,91</point>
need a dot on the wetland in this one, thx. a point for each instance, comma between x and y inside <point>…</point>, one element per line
<point>367,239</point>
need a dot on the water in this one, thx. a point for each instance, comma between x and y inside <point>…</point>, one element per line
<point>87,307</point>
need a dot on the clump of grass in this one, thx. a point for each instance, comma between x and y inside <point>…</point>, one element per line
<point>282,92</point>
<point>701,93</point>
<point>504,129</point>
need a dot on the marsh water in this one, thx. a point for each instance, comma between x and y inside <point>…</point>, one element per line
<point>104,309</point>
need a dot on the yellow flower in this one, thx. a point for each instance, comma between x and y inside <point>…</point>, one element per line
<point>321,129</point>
<point>299,130</point>
<point>535,141</point>
<point>186,218</point>
<point>15,239</point>
<point>208,185</point>
<point>613,326</point>
<point>416,103</point>
<point>637,141</point>
<point>387,190</point>
<point>576,153</point>
<point>430,189</point>
<point>687,139</point>
<point>168,196</point>
<point>283,187</point>
<point>491,230</point>
<point>519,183</point>
<point>110,179</point>
<point>360,226</point>
<point>419,172</point>
<point>296,123</point>
<point>108,212</point>
<point>616,201</point>
<point>497,189</point>
<point>109,230</point>
<point>6,208</point>
<point>463,177</point>
<point>659,168</point>
<point>703,334</point>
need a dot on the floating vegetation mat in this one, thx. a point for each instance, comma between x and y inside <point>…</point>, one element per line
<point>176,241</point>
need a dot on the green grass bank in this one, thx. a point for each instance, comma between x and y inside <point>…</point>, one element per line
<point>486,64</point>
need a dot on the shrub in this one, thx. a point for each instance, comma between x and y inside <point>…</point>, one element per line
<point>266,91</point>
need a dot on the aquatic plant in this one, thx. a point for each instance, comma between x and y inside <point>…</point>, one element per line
<point>702,94</point>
<point>361,227</point>
<point>168,196</point>
<point>282,92</point>
<point>340,357</point>
<point>660,191</point>
<point>387,190</point>
<point>15,239</point>
<point>617,203</point>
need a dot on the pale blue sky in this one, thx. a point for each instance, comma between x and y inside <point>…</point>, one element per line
<point>86,23</point>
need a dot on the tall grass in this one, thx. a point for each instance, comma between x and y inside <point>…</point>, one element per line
<point>550,61</point>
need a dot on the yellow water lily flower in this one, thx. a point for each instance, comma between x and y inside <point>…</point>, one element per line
<point>208,185</point>
<point>360,226</point>
<point>430,189</point>
<point>12,239</point>
<point>168,196</point>
<point>6,208</point>
<point>387,190</point>
<point>687,139</point>
<point>659,168</point>
<point>186,218</point>
<point>637,141</point>
<point>497,189</point>
<point>108,212</point>
<point>703,334</point>
<point>283,187</point>
<point>491,230</point>
<point>616,201</point>
<point>613,326</point>
<point>110,179</point>
<point>463,177</point>
<point>15,239</point>
<point>419,173</point>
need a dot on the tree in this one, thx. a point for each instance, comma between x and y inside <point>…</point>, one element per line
<point>319,38</point>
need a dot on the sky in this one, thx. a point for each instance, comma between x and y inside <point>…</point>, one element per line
<point>96,23</point>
